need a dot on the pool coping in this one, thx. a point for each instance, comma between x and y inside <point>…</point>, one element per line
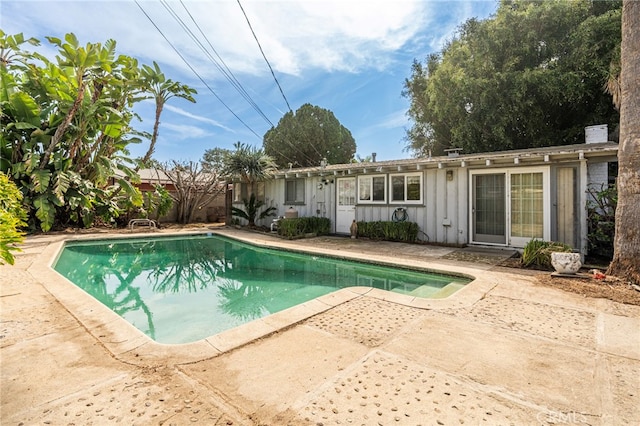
<point>128,344</point>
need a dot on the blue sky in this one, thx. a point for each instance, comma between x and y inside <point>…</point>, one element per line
<point>349,56</point>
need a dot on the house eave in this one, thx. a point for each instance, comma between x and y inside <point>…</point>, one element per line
<point>534,156</point>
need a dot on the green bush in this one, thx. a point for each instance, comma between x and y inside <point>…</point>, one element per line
<point>252,211</point>
<point>296,227</point>
<point>389,231</point>
<point>12,216</point>
<point>537,253</point>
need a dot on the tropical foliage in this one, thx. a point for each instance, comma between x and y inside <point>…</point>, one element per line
<point>247,164</point>
<point>12,218</point>
<point>161,89</point>
<point>308,136</point>
<point>532,75</point>
<point>252,210</point>
<point>66,128</point>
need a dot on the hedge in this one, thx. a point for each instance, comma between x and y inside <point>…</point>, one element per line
<point>300,226</point>
<point>389,231</point>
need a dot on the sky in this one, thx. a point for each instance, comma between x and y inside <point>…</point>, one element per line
<point>351,57</point>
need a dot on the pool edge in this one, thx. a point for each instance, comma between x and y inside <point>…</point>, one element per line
<point>128,344</point>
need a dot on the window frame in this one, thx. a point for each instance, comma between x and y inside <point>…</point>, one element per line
<point>297,182</point>
<point>370,186</point>
<point>405,177</point>
<point>242,190</point>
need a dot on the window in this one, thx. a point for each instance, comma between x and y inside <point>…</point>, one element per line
<point>372,189</point>
<point>242,191</point>
<point>294,191</point>
<point>406,188</point>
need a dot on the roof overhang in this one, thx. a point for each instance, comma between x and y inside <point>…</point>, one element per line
<point>526,157</point>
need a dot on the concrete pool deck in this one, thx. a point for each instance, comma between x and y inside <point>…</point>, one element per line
<point>503,350</point>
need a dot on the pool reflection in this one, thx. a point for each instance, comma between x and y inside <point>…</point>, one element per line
<point>176,288</point>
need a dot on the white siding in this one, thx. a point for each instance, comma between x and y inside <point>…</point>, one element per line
<point>597,175</point>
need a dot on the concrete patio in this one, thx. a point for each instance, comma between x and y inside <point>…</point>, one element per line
<point>503,350</point>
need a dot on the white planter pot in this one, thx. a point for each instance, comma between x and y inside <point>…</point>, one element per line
<point>566,263</point>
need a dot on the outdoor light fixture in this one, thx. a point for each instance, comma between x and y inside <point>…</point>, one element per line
<point>449,175</point>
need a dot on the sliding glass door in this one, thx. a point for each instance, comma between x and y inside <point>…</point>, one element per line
<point>510,207</point>
<point>488,208</point>
<point>527,207</point>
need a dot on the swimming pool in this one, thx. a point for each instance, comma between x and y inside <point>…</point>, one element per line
<point>182,289</point>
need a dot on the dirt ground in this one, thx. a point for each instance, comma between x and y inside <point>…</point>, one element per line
<point>610,288</point>
<point>585,284</point>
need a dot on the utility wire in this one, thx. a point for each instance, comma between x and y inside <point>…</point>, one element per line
<point>232,79</point>
<point>225,71</point>
<point>194,71</point>
<point>263,55</point>
<point>279,87</point>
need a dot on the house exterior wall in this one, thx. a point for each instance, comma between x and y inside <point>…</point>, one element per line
<point>445,214</point>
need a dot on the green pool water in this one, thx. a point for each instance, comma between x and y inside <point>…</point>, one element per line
<point>179,290</point>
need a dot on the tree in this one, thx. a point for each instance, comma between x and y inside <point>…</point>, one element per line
<point>248,165</point>
<point>530,76</point>
<point>161,90</point>
<point>626,255</point>
<point>195,187</point>
<point>308,136</point>
<point>213,159</point>
<point>66,126</point>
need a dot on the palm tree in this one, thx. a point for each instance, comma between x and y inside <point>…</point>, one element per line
<point>248,165</point>
<point>626,246</point>
<point>161,89</point>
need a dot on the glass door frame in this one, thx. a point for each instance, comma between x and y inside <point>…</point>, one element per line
<point>513,241</point>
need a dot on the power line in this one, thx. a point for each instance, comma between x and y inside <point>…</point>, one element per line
<point>231,77</point>
<point>263,55</point>
<point>194,71</point>
<point>277,83</point>
<point>225,71</point>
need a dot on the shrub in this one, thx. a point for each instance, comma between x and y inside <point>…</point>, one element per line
<point>296,227</point>
<point>537,253</point>
<point>12,216</point>
<point>252,211</point>
<point>389,231</point>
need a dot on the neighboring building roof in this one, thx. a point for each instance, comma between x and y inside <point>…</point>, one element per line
<point>533,156</point>
<point>152,176</point>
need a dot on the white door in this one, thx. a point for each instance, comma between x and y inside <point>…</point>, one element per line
<point>346,204</point>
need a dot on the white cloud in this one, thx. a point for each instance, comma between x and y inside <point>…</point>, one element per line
<point>184,113</point>
<point>183,131</point>
<point>393,120</point>
<point>296,35</point>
